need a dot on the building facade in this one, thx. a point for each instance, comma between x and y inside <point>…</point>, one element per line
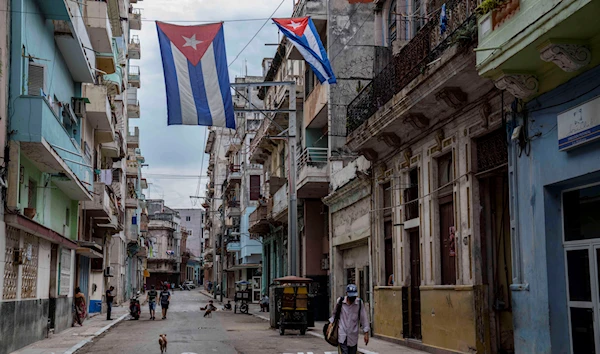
<point>553,164</point>
<point>164,240</point>
<point>65,172</point>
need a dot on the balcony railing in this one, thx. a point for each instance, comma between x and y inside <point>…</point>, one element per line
<point>312,156</point>
<point>427,45</point>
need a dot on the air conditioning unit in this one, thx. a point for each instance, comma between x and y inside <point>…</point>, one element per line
<point>108,272</point>
<point>325,264</point>
<point>78,107</point>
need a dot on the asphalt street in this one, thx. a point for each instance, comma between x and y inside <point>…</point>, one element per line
<point>189,332</point>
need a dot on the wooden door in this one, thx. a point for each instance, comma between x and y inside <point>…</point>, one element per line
<point>389,252</point>
<point>415,283</point>
<point>447,242</point>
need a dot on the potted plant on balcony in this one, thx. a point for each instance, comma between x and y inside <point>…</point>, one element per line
<point>29,212</point>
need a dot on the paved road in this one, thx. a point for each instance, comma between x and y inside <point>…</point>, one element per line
<point>189,332</point>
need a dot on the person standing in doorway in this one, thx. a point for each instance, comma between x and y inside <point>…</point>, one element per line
<point>353,315</point>
<point>109,302</point>
<point>151,298</point>
<point>165,298</point>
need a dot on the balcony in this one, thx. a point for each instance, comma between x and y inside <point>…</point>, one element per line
<point>135,19</point>
<point>133,105</point>
<point>99,113</point>
<point>132,168</point>
<point>529,47</point>
<point>117,10</point>
<point>258,223</point>
<point>233,247</point>
<point>98,26</point>
<point>397,104</point>
<point>107,62</point>
<point>315,107</point>
<point>133,139</point>
<point>317,9</point>
<point>162,221</point>
<point>313,173</point>
<point>134,47</point>
<point>46,139</point>
<point>114,82</point>
<point>280,203</point>
<point>234,173</point>
<point>233,209</point>
<point>103,209</point>
<point>72,38</point>
<point>134,76</point>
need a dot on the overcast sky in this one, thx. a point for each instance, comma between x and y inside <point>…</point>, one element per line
<point>179,150</point>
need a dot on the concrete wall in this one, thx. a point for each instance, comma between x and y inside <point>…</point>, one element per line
<point>540,314</point>
<point>449,317</point>
<point>315,245</point>
<point>387,319</point>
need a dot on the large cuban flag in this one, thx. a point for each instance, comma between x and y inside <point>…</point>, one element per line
<point>196,75</point>
<point>303,34</point>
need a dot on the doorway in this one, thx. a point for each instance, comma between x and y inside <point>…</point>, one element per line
<point>448,256</point>
<point>497,259</point>
<point>415,283</point>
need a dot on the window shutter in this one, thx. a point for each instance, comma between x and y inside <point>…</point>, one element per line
<point>254,187</point>
<point>36,80</point>
<point>116,175</point>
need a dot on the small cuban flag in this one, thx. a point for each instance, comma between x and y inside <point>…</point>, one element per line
<point>196,75</point>
<point>303,34</point>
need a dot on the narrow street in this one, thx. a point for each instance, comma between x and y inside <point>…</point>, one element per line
<point>189,332</point>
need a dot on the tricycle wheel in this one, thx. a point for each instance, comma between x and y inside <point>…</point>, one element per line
<point>244,308</point>
<point>281,330</point>
<point>303,330</point>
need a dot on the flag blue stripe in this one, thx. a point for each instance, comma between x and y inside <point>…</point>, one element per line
<point>325,60</point>
<point>171,84</point>
<point>303,42</point>
<point>199,92</point>
<point>223,74</point>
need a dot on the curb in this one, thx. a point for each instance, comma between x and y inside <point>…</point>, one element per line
<point>79,345</point>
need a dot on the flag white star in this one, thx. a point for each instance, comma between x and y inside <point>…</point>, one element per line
<point>191,42</point>
<point>294,25</point>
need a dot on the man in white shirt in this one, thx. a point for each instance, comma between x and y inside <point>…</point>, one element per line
<point>352,315</point>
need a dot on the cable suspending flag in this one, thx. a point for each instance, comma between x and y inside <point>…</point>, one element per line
<point>196,75</point>
<point>303,34</point>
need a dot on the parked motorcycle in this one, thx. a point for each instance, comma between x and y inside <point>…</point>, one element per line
<point>134,307</point>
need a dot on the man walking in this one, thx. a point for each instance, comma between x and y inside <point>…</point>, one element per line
<point>165,298</point>
<point>151,298</point>
<point>353,315</point>
<point>109,302</point>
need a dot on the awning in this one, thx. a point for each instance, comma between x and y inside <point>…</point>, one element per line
<point>39,230</point>
<point>88,252</point>
<point>243,266</point>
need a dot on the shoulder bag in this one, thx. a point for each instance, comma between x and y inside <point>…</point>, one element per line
<point>330,330</point>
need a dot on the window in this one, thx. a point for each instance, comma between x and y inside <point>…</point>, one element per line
<point>188,218</point>
<point>35,82</point>
<point>445,172</point>
<point>392,26</point>
<point>116,175</point>
<point>411,195</point>
<point>32,194</point>
<point>418,14</point>
<point>67,217</point>
<point>387,198</point>
<point>254,187</point>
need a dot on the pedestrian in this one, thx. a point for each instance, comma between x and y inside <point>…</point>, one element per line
<point>79,307</point>
<point>352,316</point>
<point>391,280</point>
<point>209,308</point>
<point>264,303</point>
<point>151,298</point>
<point>165,298</point>
<point>109,302</point>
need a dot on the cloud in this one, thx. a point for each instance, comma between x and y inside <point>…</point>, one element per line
<point>179,150</point>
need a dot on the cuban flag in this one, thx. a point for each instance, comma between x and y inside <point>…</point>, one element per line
<point>196,75</point>
<point>303,34</point>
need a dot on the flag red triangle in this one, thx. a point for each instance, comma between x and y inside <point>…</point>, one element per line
<point>295,25</point>
<point>192,41</point>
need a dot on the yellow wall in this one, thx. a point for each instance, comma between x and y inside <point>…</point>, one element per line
<point>448,317</point>
<point>387,321</point>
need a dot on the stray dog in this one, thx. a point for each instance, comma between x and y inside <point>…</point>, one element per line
<point>209,309</point>
<point>162,341</point>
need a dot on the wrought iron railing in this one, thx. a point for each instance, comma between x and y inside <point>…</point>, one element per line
<point>425,47</point>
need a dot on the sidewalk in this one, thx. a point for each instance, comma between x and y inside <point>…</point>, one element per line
<point>72,339</point>
<point>376,346</point>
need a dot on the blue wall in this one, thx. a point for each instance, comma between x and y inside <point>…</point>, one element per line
<point>248,246</point>
<point>540,313</point>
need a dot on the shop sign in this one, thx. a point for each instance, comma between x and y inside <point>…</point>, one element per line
<point>579,125</point>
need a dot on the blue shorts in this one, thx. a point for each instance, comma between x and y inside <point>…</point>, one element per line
<point>152,305</point>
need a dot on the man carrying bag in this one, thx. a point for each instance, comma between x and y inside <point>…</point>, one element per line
<point>343,327</point>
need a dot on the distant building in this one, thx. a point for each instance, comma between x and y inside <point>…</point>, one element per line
<point>192,220</point>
